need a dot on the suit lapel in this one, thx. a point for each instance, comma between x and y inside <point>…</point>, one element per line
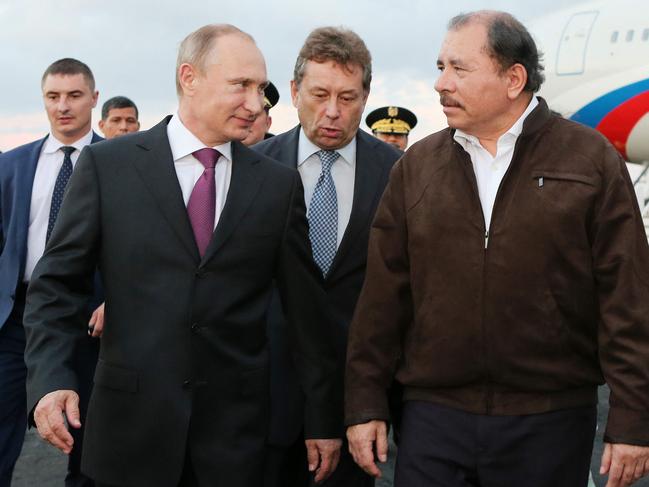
<point>24,184</point>
<point>288,150</point>
<point>244,185</point>
<point>367,179</point>
<point>155,165</point>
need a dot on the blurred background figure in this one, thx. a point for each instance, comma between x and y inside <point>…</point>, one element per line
<point>259,130</point>
<point>392,125</point>
<point>119,116</point>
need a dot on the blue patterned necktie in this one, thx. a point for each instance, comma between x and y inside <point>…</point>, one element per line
<point>323,214</point>
<point>59,188</point>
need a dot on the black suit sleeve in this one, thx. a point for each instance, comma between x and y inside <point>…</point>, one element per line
<point>304,301</point>
<point>61,285</point>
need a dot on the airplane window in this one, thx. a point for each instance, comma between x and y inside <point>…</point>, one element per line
<point>614,36</point>
<point>629,36</point>
<point>645,35</point>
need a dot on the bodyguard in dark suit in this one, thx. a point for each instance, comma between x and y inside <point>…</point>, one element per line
<point>32,181</point>
<point>344,171</point>
<point>190,230</point>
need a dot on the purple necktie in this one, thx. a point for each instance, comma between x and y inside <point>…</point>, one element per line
<point>202,202</point>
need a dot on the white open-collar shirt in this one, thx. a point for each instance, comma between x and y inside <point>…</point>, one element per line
<point>489,170</point>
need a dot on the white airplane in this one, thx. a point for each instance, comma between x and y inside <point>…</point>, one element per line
<point>596,58</point>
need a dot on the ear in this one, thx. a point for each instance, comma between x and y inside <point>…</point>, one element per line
<point>516,80</point>
<point>294,92</point>
<point>187,77</point>
<point>269,122</point>
<point>101,126</point>
<point>95,97</point>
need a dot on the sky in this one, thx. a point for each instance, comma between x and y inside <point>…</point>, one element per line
<point>131,48</point>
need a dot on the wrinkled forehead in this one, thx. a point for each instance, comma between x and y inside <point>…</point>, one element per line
<point>467,41</point>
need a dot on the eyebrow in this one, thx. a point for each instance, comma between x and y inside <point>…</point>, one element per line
<point>248,80</point>
<point>55,92</point>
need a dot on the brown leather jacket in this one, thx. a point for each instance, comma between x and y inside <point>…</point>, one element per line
<point>526,318</point>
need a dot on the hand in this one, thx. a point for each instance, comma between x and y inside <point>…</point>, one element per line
<point>323,456</point>
<point>624,463</point>
<point>96,323</point>
<point>361,439</point>
<point>48,416</point>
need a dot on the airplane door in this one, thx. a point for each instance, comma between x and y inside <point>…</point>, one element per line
<point>571,58</point>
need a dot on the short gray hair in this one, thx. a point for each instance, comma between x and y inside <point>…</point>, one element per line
<point>196,47</point>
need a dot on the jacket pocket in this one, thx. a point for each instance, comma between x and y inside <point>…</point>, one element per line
<point>115,377</point>
<point>542,175</point>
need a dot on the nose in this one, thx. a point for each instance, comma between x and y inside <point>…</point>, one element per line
<point>123,125</point>
<point>443,82</point>
<point>254,101</point>
<point>331,108</point>
<point>63,105</point>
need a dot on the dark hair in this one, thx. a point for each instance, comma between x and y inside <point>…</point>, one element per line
<point>508,42</point>
<point>68,67</point>
<point>337,44</point>
<point>117,102</point>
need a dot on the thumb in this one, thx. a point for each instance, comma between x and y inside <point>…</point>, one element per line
<point>312,456</point>
<point>71,407</point>
<point>606,459</point>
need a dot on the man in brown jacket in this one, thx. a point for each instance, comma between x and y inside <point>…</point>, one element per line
<point>507,277</point>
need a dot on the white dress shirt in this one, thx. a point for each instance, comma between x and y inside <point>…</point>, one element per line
<point>189,169</point>
<point>343,173</point>
<point>489,170</point>
<point>47,169</point>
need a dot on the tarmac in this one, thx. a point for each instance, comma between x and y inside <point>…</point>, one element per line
<point>43,466</point>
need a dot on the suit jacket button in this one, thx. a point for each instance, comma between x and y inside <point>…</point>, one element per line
<point>187,384</point>
<point>195,328</point>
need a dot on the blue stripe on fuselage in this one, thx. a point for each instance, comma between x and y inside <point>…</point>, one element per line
<point>593,113</point>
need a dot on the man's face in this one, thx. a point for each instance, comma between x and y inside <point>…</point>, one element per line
<point>119,121</point>
<point>400,141</point>
<point>222,103</point>
<point>259,129</point>
<point>330,101</point>
<point>473,91</point>
<point>69,102</point>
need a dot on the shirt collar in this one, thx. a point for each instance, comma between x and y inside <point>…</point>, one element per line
<point>306,149</point>
<point>183,142</point>
<point>515,130</point>
<point>52,144</point>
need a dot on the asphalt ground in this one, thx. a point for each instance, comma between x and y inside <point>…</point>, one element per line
<point>42,466</point>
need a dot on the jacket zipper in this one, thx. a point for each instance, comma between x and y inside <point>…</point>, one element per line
<point>485,353</point>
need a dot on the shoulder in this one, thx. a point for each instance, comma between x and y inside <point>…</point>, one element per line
<point>264,161</point>
<point>368,145</point>
<point>21,153</point>
<point>277,143</point>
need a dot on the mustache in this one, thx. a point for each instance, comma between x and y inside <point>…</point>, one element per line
<point>448,101</point>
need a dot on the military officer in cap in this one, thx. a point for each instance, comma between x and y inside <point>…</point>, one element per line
<point>392,125</point>
<point>259,129</point>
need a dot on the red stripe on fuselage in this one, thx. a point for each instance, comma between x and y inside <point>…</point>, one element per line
<point>617,125</point>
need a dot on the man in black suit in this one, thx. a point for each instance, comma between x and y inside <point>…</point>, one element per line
<point>190,229</point>
<point>344,171</point>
